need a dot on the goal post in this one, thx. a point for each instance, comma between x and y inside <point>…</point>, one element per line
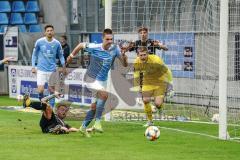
<point>108,14</point>
<point>223,50</point>
<point>204,55</point>
<point>108,24</point>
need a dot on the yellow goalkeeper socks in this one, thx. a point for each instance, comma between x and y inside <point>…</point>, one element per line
<point>148,111</point>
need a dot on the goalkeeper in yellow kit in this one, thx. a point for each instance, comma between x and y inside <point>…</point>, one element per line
<point>152,78</point>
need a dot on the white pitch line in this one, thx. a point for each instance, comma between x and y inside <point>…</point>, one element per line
<point>183,131</point>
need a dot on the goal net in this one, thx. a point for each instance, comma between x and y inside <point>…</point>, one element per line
<point>191,31</point>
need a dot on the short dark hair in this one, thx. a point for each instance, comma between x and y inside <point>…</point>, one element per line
<point>107,31</point>
<point>48,26</point>
<point>142,29</point>
<point>64,37</point>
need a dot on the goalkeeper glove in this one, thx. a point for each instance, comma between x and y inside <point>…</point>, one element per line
<point>170,92</point>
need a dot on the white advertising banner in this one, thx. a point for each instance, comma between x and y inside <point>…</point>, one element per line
<point>74,16</point>
<point>22,80</point>
<point>11,43</point>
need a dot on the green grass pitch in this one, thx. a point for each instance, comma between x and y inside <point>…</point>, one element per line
<point>22,139</point>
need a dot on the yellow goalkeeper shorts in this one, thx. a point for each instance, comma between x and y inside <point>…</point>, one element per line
<point>154,91</point>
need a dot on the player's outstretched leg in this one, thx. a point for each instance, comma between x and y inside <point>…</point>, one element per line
<point>89,117</point>
<point>99,110</point>
<point>83,131</point>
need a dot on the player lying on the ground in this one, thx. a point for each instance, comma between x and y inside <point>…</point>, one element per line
<point>152,79</point>
<point>51,122</point>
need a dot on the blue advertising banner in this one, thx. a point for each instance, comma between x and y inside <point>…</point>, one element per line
<point>87,95</point>
<point>180,57</point>
<point>75,93</point>
<point>96,38</point>
<point>31,88</point>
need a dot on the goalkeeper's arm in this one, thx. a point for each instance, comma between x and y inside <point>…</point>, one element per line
<point>170,90</point>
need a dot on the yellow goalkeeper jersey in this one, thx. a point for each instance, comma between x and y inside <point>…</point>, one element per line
<point>152,74</point>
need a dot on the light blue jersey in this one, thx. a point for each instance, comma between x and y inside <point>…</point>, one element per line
<point>1,62</point>
<point>101,60</point>
<point>44,54</point>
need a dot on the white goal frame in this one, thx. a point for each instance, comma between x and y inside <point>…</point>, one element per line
<point>223,51</point>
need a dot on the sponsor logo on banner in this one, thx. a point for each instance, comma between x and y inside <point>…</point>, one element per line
<point>61,84</point>
<point>75,93</point>
<point>87,95</point>
<point>25,73</point>
<point>13,72</point>
<point>13,79</point>
<point>11,43</point>
<point>74,15</point>
<point>75,75</point>
<point>14,89</point>
<point>31,88</point>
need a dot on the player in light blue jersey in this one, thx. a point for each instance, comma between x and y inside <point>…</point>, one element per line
<point>102,58</point>
<point>44,54</point>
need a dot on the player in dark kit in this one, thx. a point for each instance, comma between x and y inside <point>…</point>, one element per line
<point>51,122</point>
<point>151,44</point>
